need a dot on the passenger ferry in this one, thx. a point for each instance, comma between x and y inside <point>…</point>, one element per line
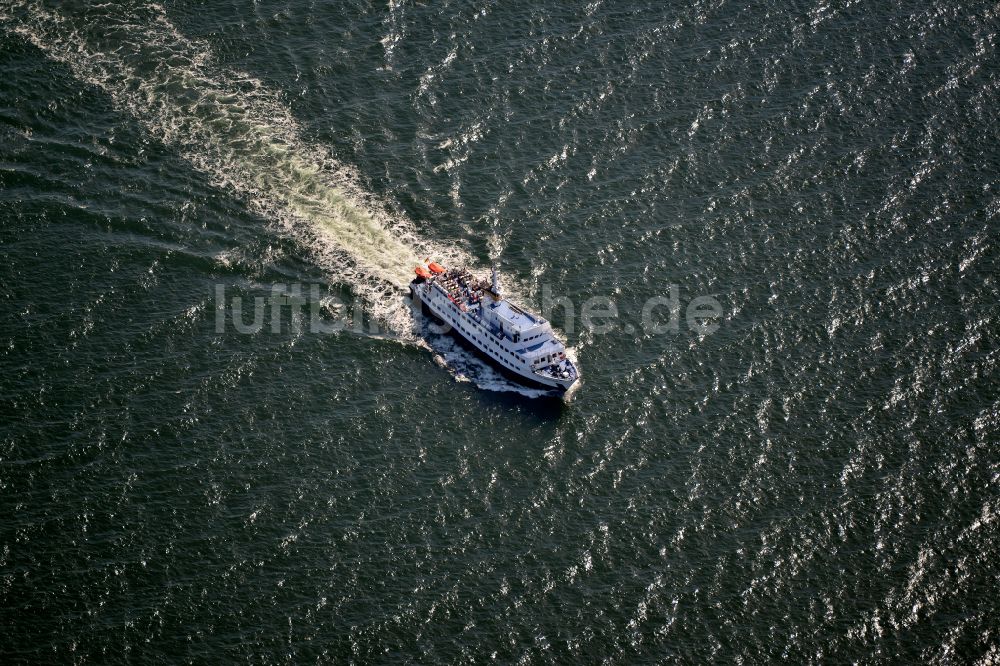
<point>520,344</point>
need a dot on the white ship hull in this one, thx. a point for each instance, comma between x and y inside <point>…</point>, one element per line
<point>523,349</point>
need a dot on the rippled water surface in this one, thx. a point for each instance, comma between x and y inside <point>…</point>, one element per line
<point>818,481</point>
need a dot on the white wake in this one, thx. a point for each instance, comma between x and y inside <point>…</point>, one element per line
<point>231,127</point>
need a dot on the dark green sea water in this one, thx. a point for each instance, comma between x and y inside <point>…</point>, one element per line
<point>816,482</point>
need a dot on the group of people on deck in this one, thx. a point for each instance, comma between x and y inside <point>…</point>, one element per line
<point>461,286</point>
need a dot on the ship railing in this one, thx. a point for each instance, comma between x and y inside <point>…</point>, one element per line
<point>538,353</point>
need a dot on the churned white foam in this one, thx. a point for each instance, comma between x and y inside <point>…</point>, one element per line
<point>229,126</point>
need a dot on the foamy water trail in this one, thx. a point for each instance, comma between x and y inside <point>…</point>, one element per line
<point>231,127</point>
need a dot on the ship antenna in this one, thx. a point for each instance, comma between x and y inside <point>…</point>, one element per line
<point>496,283</point>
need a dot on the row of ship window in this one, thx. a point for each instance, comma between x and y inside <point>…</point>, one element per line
<point>456,323</point>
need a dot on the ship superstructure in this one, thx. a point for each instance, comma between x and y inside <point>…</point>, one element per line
<point>518,342</point>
